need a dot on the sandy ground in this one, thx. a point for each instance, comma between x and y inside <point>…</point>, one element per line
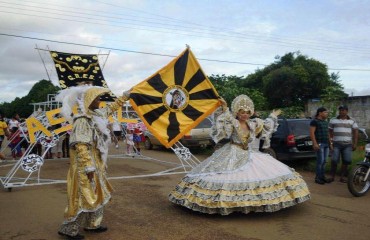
<point>140,209</point>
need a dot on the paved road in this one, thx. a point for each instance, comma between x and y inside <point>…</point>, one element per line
<point>140,209</point>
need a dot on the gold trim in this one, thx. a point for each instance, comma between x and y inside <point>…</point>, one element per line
<point>255,191</point>
<point>230,204</point>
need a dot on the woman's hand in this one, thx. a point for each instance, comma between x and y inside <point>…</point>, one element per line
<point>276,112</point>
<point>223,104</point>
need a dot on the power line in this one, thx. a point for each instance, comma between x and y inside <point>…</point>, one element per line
<point>156,54</point>
<point>121,50</point>
<point>218,35</point>
<point>228,34</point>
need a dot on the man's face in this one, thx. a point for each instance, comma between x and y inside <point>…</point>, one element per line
<point>343,112</point>
<point>324,114</point>
<point>95,104</point>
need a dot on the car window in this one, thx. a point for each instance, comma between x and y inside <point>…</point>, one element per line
<point>280,129</point>
<point>206,123</point>
<point>299,128</point>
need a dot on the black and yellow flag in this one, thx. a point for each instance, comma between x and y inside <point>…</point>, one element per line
<point>72,69</point>
<point>175,99</point>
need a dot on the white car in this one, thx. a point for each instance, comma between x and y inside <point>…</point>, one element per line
<point>197,137</point>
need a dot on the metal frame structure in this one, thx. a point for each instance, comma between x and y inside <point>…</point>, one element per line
<point>26,171</point>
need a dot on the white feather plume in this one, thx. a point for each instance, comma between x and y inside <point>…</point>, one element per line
<point>70,97</point>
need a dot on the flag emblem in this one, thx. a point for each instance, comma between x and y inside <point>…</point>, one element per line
<point>175,99</point>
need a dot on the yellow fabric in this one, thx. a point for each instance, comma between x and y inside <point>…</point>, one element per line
<point>83,195</point>
<point>193,191</point>
<point>151,99</point>
<point>93,93</point>
<point>3,126</point>
<point>230,204</point>
<point>254,191</point>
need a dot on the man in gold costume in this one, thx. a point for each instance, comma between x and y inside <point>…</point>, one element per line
<point>87,186</point>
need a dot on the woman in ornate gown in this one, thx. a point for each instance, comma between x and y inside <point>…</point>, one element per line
<point>238,177</point>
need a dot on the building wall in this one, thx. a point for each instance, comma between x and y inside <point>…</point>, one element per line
<point>358,108</point>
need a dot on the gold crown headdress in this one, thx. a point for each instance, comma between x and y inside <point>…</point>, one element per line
<point>242,102</point>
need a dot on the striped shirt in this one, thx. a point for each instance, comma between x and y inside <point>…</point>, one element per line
<point>342,129</point>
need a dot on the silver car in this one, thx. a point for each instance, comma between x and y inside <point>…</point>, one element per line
<point>197,137</point>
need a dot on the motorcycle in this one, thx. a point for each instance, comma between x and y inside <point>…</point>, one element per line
<point>359,177</point>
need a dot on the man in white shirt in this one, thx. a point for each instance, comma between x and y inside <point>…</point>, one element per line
<point>343,132</point>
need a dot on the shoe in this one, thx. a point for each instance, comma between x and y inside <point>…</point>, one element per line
<point>96,230</point>
<point>329,180</point>
<point>78,236</point>
<point>319,181</point>
<point>342,180</point>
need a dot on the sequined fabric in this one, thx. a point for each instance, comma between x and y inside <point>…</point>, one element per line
<point>88,147</point>
<point>233,179</point>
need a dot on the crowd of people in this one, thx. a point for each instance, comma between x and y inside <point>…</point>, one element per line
<point>14,133</point>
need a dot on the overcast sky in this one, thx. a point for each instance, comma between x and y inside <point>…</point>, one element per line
<point>247,34</point>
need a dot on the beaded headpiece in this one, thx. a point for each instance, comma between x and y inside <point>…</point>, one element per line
<point>242,102</point>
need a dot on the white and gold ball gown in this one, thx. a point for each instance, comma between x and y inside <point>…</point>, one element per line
<point>238,177</point>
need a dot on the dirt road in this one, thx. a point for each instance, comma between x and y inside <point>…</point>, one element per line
<point>140,209</point>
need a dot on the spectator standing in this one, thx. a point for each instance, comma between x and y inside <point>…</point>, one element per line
<point>129,142</point>
<point>23,134</point>
<point>343,131</point>
<point>137,139</point>
<point>14,121</point>
<point>117,132</point>
<point>3,132</point>
<point>14,144</point>
<point>319,133</point>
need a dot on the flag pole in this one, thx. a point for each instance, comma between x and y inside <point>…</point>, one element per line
<point>43,62</point>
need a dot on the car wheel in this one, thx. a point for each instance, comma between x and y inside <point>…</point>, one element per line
<point>148,144</point>
<point>270,151</point>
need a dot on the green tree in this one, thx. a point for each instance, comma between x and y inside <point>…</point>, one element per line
<point>292,80</point>
<point>22,106</point>
<point>229,87</point>
<point>331,98</point>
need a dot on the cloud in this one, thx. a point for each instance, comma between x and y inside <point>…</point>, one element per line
<point>333,32</point>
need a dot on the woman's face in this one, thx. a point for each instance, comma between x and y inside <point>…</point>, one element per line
<point>244,115</point>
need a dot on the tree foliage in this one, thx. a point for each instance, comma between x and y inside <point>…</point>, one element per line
<point>292,80</point>
<point>331,98</point>
<point>22,106</point>
<point>229,87</point>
